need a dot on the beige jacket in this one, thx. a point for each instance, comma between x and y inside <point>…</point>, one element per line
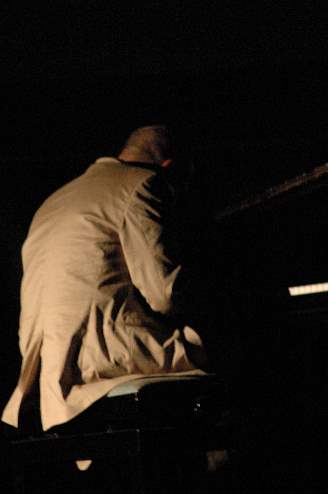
<point>97,292</point>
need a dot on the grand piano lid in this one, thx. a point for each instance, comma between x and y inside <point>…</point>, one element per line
<point>282,192</point>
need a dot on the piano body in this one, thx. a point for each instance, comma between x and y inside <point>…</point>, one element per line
<point>273,256</point>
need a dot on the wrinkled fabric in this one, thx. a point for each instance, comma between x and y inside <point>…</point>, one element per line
<point>97,295</point>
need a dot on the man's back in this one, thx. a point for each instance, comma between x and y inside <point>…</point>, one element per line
<point>97,290</point>
<point>73,242</point>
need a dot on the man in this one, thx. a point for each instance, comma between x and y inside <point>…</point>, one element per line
<point>100,294</point>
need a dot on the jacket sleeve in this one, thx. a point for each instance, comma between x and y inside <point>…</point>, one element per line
<point>148,242</point>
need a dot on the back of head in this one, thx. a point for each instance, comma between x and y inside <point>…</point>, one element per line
<point>151,144</point>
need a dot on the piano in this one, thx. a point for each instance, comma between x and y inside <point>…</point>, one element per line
<point>274,247</point>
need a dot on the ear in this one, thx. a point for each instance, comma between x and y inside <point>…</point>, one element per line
<point>166,163</point>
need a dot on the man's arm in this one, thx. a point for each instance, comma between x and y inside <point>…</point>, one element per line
<point>148,243</point>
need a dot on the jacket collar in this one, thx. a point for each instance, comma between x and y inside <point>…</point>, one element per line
<point>137,164</point>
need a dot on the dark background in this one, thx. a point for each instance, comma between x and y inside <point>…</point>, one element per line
<point>244,83</point>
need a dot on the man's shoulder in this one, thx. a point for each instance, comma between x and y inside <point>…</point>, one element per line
<point>109,165</point>
<point>135,180</point>
<point>119,172</point>
<point>105,175</point>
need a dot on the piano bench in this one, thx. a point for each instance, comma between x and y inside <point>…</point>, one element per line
<point>164,418</point>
